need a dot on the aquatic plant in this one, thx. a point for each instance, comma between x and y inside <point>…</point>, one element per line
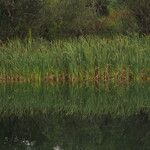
<point>118,58</point>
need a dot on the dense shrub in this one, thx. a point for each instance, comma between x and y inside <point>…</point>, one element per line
<point>49,18</point>
<point>62,18</point>
<point>141,10</point>
<point>118,22</point>
<point>72,17</point>
<point>18,16</point>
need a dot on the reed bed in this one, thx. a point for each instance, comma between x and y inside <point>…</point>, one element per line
<point>118,58</point>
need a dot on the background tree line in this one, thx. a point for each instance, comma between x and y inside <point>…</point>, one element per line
<point>66,18</point>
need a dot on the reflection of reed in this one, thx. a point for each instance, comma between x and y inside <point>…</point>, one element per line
<point>107,75</point>
<point>86,99</point>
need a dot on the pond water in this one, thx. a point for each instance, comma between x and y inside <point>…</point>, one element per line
<point>75,117</point>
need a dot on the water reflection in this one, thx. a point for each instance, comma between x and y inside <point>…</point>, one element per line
<point>59,132</point>
<point>84,99</point>
<point>74,117</point>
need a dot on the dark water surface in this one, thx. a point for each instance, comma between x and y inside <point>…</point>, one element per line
<point>74,117</point>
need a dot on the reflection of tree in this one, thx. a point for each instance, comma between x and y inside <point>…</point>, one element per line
<point>74,132</point>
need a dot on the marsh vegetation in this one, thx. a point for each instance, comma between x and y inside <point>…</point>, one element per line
<point>119,59</point>
<point>74,74</point>
<point>79,116</point>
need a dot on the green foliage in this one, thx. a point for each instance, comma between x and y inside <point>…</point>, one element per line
<point>18,16</point>
<point>65,18</point>
<point>121,21</point>
<point>141,10</point>
<point>75,57</point>
<point>71,17</point>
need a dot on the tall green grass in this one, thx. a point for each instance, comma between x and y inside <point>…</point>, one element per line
<point>82,58</point>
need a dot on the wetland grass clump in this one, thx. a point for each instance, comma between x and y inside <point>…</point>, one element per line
<point>119,58</point>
